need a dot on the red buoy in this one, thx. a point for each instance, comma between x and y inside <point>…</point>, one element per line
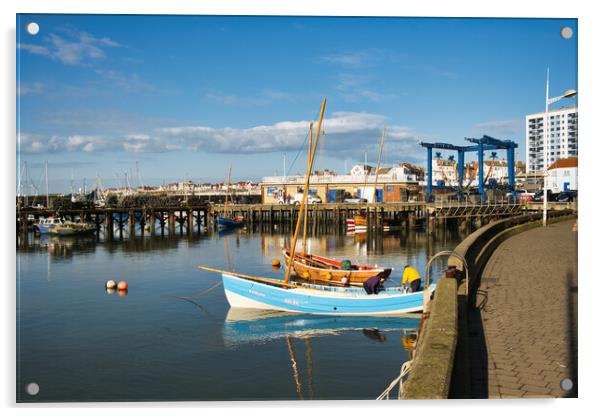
<point>123,285</point>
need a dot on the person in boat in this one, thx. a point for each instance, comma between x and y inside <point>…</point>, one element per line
<point>410,279</point>
<point>374,284</point>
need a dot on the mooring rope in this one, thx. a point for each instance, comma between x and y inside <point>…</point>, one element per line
<point>405,370</point>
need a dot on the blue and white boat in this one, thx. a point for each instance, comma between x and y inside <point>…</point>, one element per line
<point>46,224</point>
<point>273,294</point>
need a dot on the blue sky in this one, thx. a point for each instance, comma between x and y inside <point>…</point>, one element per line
<point>184,96</point>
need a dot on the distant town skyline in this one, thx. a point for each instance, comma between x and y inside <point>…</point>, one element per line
<point>98,93</point>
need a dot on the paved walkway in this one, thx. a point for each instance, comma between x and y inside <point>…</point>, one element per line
<point>530,317</point>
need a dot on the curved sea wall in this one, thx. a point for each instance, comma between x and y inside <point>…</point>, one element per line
<point>441,365</point>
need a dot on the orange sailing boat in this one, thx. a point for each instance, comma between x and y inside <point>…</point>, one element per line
<point>327,270</point>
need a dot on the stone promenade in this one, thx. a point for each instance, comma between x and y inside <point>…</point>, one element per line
<point>529,318</point>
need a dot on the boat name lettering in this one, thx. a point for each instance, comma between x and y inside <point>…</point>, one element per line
<point>256,293</point>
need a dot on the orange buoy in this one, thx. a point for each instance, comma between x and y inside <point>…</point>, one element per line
<point>110,284</point>
<point>276,263</point>
<point>123,285</point>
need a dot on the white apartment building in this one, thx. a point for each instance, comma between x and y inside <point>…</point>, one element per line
<point>562,137</point>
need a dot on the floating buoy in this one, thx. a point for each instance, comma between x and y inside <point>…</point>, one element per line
<point>123,285</point>
<point>275,263</point>
<point>110,284</point>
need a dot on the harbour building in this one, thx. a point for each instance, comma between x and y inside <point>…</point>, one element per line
<point>562,137</point>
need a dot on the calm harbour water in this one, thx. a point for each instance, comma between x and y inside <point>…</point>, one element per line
<point>173,337</point>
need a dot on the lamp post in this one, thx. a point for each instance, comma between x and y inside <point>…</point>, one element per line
<point>567,94</point>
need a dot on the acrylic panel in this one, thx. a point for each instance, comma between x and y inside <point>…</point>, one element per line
<point>420,172</point>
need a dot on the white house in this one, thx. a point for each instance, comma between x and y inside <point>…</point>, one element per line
<point>562,175</point>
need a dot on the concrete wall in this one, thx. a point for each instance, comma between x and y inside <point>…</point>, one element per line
<point>431,370</point>
<point>441,357</point>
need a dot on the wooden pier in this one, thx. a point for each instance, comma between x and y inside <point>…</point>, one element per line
<point>321,217</point>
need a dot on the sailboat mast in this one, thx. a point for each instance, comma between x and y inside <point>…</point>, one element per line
<point>305,191</point>
<point>26,185</point>
<point>309,143</point>
<point>228,184</point>
<point>380,152</point>
<point>47,198</point>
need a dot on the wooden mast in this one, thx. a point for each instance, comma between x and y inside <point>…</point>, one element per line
<point>305,191</point>
<point>380,152</point>
<point>227,188</point>
<point>309,143</point>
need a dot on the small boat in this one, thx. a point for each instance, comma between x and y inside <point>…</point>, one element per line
<point>72,228</point>
<point>226,222</point>
<point>360,223</point>
<point>46,224</point>
<point>230,221</point>
<point>326,270</point>
<point>273,294</point>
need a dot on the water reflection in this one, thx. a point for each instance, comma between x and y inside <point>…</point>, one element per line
<point>258,326</point>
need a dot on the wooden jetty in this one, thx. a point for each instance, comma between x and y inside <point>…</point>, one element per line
<point>321,217</point>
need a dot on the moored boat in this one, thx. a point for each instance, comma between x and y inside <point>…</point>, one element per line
<point>327,270</point>
<point>46,224</point>
<point>226,222</point>
<point>273,294</point>
<point>72,228</point>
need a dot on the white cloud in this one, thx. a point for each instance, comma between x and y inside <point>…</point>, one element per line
<point>355,88</point>
<point>347,135</point>
<point>356,59</point>
<point>501,129</point>
<point>73,49</point>
<point>27,88</point>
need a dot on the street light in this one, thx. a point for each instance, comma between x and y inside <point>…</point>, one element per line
<point>567,94</point>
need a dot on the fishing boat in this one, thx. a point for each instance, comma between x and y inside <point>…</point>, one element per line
<point>326,270</point>
<point>232,220</point>
<point>274,294</point>
<point>46,224</point>
<point>359,223</point>
<point>72,228</point>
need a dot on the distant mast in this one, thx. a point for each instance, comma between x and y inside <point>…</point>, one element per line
<point>26,185</point>
<point>46,171</point>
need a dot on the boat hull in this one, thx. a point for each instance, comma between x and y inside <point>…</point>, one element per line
<point>331,272</point>
<point>244,293</point>
<point>229,222</point>
<point>61,231</point>
<point>44,228</point>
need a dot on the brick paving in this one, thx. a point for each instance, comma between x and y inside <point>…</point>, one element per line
<point>530,317</point>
